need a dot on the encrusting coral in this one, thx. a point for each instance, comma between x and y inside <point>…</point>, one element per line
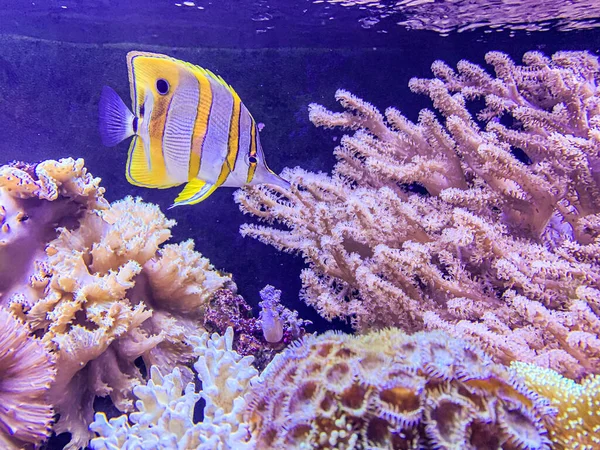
<point>502,248</point>
<point>26,371</point>
<point>388,390</point>
<point>165,408</point>
<point>577,425</point>
<point>104,292</point>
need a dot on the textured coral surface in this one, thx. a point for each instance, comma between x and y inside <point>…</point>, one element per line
<point>577,425</point>
<point>26,372</point>
<point>95,284</point>
<point>389,390</point>
<point>164,415</point>
<point>484,224</point>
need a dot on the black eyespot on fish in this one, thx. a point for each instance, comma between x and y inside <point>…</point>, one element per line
<point>135,124</point>
<point>252,160</point>
<point>162,86</point>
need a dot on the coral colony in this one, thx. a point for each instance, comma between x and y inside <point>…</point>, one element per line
<point>476,296</point>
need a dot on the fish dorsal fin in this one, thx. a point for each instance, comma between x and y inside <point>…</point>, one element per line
<point>139,174</point>
<point>195,68</point>
<point>194,192</point>
<point>208,74</point>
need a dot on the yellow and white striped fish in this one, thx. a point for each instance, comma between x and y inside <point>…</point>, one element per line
<point>188,126</point>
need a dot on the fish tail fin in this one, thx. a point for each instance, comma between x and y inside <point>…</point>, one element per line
<point>115,120</point>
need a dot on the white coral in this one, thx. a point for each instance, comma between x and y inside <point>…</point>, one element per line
<point>165,411</point>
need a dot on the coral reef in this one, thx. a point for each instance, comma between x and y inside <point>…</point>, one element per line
<point>227,309</point>
<point>577,425</point>
<point>26,372</point>
<point>164,416</point>
<point>103,293</point>
<point>390,390</point>
<point>34,201</point>
<point>501,248</point>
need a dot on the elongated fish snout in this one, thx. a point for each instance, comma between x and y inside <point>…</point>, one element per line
<point>115,121</point>
<point>266,176</point>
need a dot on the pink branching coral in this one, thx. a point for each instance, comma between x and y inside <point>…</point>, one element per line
<point>502,250</point>
<point>26,372</point>
<point>390,390</point>
<point>104,292</point>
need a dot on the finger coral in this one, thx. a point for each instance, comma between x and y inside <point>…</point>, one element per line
<point>104,292</point>
<point>26,372</point>
<point>491,234</point>
<point>390,390</point>
<point>577,425</point>
<point>165,410</point>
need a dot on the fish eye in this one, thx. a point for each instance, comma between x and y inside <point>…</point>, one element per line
<point>252,159</point>
<point>162,86</point>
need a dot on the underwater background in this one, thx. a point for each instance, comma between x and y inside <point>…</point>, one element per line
<point>56,56</point>
<point>279,56</point>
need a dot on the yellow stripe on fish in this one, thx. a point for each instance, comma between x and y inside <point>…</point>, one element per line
<point>189,126</point>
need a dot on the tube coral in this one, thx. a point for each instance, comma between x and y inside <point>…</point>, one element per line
<point>103,292</point>
<point>393,391</point>
<point>501,248</point>
<point>26,372</point>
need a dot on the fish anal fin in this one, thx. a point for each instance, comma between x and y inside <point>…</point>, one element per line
<point>194,192</point>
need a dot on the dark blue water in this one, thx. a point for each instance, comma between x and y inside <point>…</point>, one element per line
<point>54,62</point>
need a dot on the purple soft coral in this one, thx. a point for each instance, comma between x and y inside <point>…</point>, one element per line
<point>227,309</point>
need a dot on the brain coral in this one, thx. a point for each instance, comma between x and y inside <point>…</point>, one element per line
<point>388,390</point>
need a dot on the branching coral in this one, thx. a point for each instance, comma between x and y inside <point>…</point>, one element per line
<point>503,248</point>
<point>26,371</point>
<point>577,425</point>
<point>164,416</point>
<point>104,293</point>
<point>393,391</point>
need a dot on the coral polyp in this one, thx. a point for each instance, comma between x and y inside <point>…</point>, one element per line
<point>389,390</point>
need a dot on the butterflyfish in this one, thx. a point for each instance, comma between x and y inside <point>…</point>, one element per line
<point>188,126</point>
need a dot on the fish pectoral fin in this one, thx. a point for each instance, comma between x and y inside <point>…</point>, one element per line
<point>115,121</point>
<point>139,174</point>
<point>194,192</point>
